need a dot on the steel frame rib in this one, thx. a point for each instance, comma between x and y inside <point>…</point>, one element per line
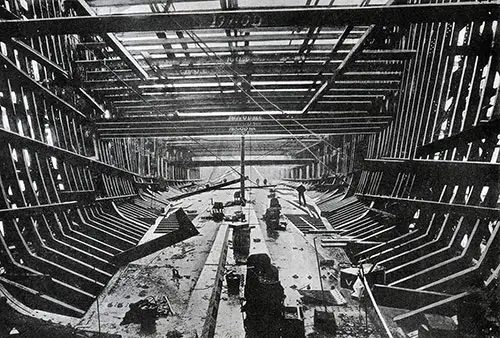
<point>116,45</point>
<point>26,142</point>
<point>24,48</point>
<point>49,95</point>
<point>480,131</point>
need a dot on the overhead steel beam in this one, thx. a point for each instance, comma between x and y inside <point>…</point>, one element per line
<point>235,163</point>
<point>127,3</point>
<point>259,64</point>
<point>273,148</point>
<point>239,106</point>
<point>237,98</point>
<point>260,48</point>
<point>116,45</point>
<point>158,53</point>
<point>229,145</point>
<point>274,51</point>
<point>255,116</point>
<point>258,141</point>
<point>151,97</point>
<point>277,131</point>
<point>186,127</point>
<point>288,17</point>
<point>283,85</point>
<point>260,146</point>
<point>250,107</point>
<point>256,37</point>
<point>225,147</point>
<point>365,76</point>
<point>239,123</point>
<point>268,74</point>
<point>231,152</point>
<point>196,127</point>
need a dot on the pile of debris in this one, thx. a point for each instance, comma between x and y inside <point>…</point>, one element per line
<point>146,311</point>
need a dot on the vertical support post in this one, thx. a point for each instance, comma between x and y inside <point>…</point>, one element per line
<point>98,309</point>
<point>319,275</point>
<point>242,171</point>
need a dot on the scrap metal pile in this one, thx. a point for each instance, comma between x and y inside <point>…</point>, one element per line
<point>146,311</point>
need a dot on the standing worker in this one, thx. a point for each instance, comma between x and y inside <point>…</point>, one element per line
<point>302,197</point>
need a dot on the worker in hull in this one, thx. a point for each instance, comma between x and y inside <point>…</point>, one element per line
<point>302,197</point>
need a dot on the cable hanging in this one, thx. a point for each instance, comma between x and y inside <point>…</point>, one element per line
<point>192,36</point>
<point>198,41</point>
<point>159,111</point>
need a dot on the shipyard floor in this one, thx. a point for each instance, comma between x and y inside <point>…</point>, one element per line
<point>192,293</point>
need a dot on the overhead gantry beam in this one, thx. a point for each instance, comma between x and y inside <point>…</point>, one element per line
<point>283,86</point>
<point>261,18</point>
<point>346,106</point>
<point>198,131</point>
<point>338,95</point>
<point>278,124</point>
<point>258,63</point>
<point>248,162</point>
<point>255,37</point>
<point>127,3</point>
<point>154,53</point>
<point>298,76</point>
<point>260,146</point>
<point>103,78</point>
<point>353,89</point>
<point>236,98</point>
<point>274,149</point>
